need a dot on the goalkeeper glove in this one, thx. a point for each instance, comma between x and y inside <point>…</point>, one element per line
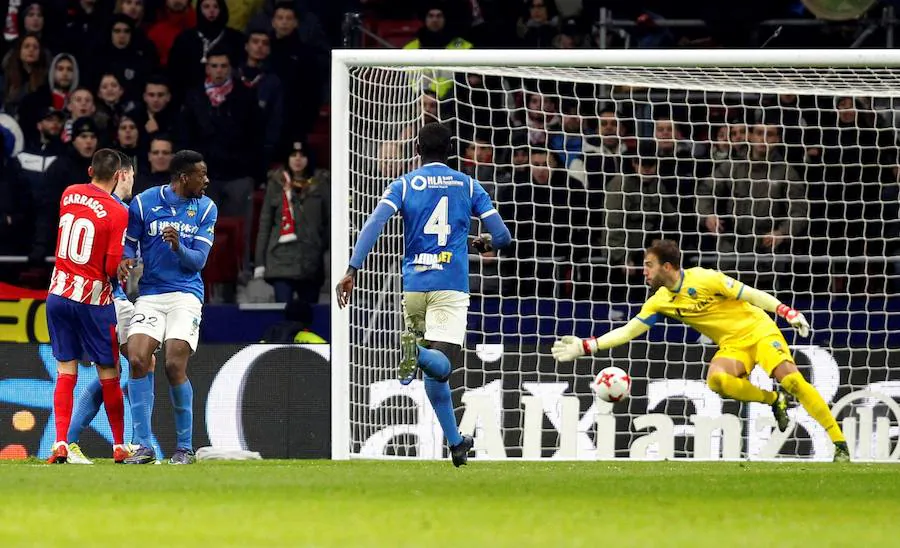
<point>796,319</point>
<point>570,348</point>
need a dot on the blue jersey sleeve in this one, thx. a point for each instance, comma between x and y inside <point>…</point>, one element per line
<point>135,228</point>
<point>194,257</point>
<point>482,206</point>
<point>394,194</point>
<point>370,232</point>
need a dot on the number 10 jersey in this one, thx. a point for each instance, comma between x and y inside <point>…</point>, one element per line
<point>89,244</point>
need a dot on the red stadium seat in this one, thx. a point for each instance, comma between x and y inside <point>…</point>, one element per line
<point>224,262</point>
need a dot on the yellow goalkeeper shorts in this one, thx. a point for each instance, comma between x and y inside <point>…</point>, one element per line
<point>769,351</point>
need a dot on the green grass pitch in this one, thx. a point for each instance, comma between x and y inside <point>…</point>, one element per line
<point>365,503</point>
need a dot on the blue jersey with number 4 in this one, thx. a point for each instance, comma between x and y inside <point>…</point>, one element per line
<point>437,205</point>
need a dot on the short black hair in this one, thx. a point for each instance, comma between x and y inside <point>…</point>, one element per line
<point>105,163</point>
<point>125,161</point>
<point>160,136</point>
<point>434,141</point>
<point>256,30</point>
<point>183,162</point>
<point>157,80</point>
<point>219,51</point>
<point>666,251</point>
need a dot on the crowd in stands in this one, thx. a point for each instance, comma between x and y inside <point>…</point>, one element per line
<point>242,82</point>
<point>797,192</point>
<point>587,175</point>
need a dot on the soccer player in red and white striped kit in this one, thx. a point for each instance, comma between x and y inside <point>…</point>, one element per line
<point>81,317</point>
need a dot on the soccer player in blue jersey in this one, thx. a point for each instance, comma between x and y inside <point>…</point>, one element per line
<point>173,226</point>
<point>89,401</point>
<point>437,204</point>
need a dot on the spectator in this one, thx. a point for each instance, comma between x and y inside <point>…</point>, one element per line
<point>538,213</point>
<point>69,169</point>
<point>159,159</point>
<point>187,62</point>
<point>173,19</point>
<point>300,66</point>
<point>112,103</point>
<point>121,55</point>
<point>34,19</point>
<point>222,121</point>
<point>85,29</point>
<point>538,25</point>
<point>757,205</point>
<point>568,141</point>
<point>157,113</point>
<point>437,34</point>
<point>570,36</point>
<point>639,209</point>
<point>294,229</point>
<point>134,9</point>
<point>304,22</point>
<point>255,75</point>
<point>127,141</point>
<point>25,179</point>
<point>81,104</point>
<point>24,72</point>
<point>603,153</point>
<point>62,79</point>
<point>541,117</point>
<point>479,162</point>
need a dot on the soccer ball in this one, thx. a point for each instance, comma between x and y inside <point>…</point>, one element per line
<point>612,385</point>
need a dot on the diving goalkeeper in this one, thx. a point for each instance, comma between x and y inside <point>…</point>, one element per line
<point>733,315</point>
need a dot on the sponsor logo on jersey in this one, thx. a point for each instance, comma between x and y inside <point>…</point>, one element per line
<point>420,182</point>
<point>185,229</point>
<point>431,261</point>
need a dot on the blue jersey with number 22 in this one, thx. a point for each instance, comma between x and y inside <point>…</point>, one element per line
<point>437,204</point>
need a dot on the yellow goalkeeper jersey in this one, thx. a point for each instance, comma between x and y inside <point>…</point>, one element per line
<point>709,301</point>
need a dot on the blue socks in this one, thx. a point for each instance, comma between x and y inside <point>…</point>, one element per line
<point>140,397</point>
<point>434,363</point>
<point>183,402</point>
<point>442,403</point>
<point>436,366</point>
<point>87,405</point>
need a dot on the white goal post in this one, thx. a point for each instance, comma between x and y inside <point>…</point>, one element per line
<point>779,167</point>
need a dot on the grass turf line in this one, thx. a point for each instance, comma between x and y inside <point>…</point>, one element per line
<point>366,503</point>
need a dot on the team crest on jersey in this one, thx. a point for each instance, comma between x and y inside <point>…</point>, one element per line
<point>692,292</point>
<point>192,210</point>
<point>776,345</point>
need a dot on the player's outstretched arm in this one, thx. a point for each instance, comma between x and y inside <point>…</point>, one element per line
<point>769,303</point>
<point>570,347</point>
<point>364,244</point>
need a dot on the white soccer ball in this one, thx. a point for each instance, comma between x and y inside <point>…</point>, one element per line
<point>612,385</point>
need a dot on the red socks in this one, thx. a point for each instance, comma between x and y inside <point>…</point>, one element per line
<point>115,408</point>
<point>63,398</point>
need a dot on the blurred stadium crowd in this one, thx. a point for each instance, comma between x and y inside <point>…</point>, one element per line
<point>586,174</point>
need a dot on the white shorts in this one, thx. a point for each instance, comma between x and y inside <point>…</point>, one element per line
<point>167,316</point>
<point>124,311</point>
<point>437,315</point>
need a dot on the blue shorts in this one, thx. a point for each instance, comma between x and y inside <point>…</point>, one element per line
<point>82,331</point>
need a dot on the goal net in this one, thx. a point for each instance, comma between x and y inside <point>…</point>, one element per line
<point>778,168</point>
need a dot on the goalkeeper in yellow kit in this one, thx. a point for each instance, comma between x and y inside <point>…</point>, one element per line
<point>732,314</point>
